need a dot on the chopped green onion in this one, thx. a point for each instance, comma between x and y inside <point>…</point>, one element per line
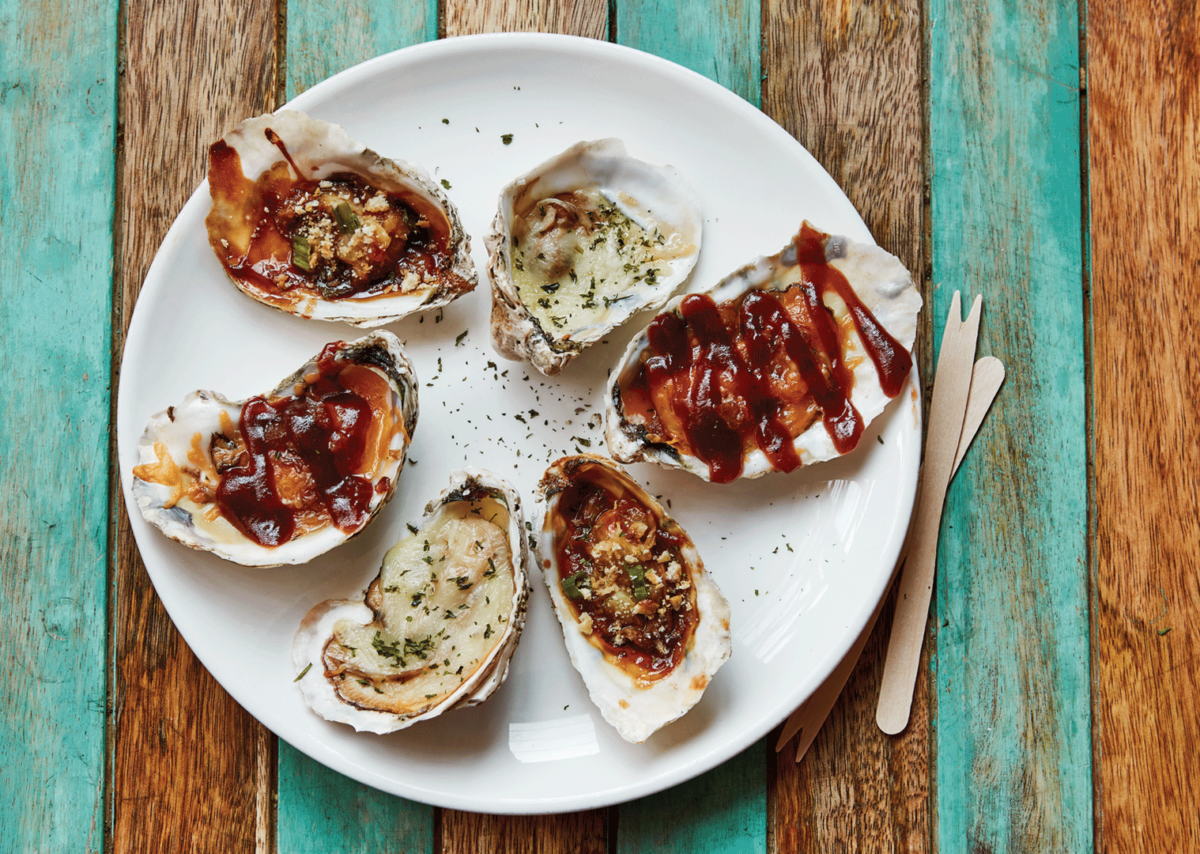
<point>572,583</point>
<point>300,252</point>
<point>345,217</point>
<point>637,575</point>
<point>303,672</point>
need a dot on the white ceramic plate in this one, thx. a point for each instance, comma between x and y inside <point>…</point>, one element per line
<point>802,558</point>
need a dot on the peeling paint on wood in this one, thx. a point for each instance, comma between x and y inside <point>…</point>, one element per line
<point>1012,695</point>
<point>57,132</point>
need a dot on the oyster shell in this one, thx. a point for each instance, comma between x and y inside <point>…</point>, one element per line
<point>644,624</point>
<point>438,626</point>
<point>781,364</point>
<point>306,220</point>
<point>580,244</point>
<point>283,478</point>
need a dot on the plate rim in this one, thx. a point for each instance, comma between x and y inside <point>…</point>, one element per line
<point>833,654</point>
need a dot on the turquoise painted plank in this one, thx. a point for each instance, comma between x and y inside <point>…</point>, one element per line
<point>721,40</point>
<point>57,185</point>
<point>325,37</point>
<point>720,812</point>
<point>320,810</point>
<point>724,810</point>
<point>1012,701</point>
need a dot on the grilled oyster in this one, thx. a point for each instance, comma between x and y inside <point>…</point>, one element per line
<point>282,478</point>
<point>644,624</point>
<point>581,243</point>
<point>306,220</point>
<point>439,624</point>
<point>781,364</point>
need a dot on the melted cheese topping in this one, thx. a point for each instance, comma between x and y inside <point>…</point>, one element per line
<point>576,255</point>
<point>442,603</point>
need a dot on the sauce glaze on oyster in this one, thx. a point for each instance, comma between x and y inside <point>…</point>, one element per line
<point>781,364</point>
<point>283,477</point>
<point>644,624</point>
<point>306,220</point>
<point>581,243</point>
<point>438,626</point>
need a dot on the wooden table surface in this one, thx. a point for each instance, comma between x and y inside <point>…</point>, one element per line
<point>1041,153</point>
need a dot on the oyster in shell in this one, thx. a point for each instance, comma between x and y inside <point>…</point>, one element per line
<point>283,477</point>
<point>781,364</point>
<point>644,624</point>
<point>438,626</point>
<point>306,220</point>
<point>581,243</point>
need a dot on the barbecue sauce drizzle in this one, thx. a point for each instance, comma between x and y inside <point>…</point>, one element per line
<point>270,254</point>
<point>327,427</point>
<point>693,349</point>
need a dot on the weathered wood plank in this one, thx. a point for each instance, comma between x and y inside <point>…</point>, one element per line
<point>584,832</point>
<point>473,833</point>
<point>1144,152</point>
<point>319,810</point>
<point>724,810</point>
<point>571,17</point>
<point>1011,668</point>
<point>845,80</point>
<point>324,38</point>
<point>187,762</point>
<point>720,40</point>
<point>57,131</point>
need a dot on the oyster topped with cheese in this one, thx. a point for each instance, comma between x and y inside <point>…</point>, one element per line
<point>437,627</point>
<point>284,476</point>
<point>644,624</point>
<point>306,220</point>
<point>580,244</point>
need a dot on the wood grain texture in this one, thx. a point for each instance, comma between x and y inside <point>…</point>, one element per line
<point>186,773</point>
<point>723,811</point>
<point>325,37</point>
<point>588,18</point>
<point>573,833</point>
<point>1144,153</point>
<point>320,810</point>
<point>720,39</point>
<point>582,832</point>
<point>845,79</point>
<point>1011,676</point>
<point>57,130</point>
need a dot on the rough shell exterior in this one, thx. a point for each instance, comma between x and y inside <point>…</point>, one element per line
<point>200,412</point>
<point>316,629</point>
<point>635,712</point>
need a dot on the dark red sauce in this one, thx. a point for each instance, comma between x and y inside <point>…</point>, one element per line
<point>326,428</point>
<point>789,369</point>
<point>267,206</point>
<point>590,512</point>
